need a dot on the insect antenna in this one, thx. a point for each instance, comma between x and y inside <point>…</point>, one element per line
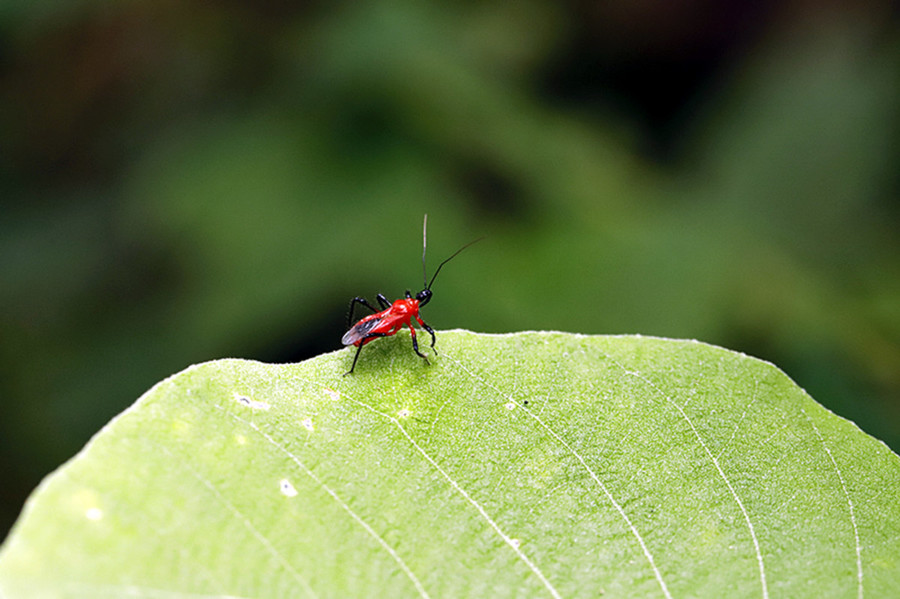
<point>424,246</point>
<point>425,276</point>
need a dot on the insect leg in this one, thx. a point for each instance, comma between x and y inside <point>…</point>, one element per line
<point>364,302</point>
<point>383,301</point>
<point>416,345</point>
<point>430,332</point>
<point>359,347</point>
<point>355,358</point>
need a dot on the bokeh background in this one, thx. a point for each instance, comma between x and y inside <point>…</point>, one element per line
<point>182,181</point>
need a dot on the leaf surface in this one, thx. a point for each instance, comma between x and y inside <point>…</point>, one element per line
<point>530,464</point>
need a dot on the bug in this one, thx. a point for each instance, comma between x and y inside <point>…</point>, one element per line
<point>394,316</point>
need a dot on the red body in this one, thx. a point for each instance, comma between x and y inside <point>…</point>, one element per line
<point>385,323</point>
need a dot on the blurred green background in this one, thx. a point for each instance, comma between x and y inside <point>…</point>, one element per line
<point>182,181</point>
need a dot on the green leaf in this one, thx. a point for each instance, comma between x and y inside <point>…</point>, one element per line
<point>527,465</point>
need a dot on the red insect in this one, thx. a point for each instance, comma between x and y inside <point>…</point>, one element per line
<point>394,316</point>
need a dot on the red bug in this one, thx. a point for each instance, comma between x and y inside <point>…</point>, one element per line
<point>394,316</point>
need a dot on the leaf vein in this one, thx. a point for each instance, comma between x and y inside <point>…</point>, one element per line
<point>356,517</point>
<point>243,520</point>
<point>493,524</point>
<point>859,570</point>
<point>656,572</point>
<point>737,499</point>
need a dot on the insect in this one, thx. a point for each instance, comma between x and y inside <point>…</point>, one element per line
<point>394,316</point>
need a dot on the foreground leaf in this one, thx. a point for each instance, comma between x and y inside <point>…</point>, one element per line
<point>533,464</point>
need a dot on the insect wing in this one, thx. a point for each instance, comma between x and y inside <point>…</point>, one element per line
<point>358,331</point>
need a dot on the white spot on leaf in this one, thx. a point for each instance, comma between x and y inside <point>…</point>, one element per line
<point>308,424</point>
<point>93,513</point>
<point>509,405</point>
<point>287,489</point>
<point>250,403</point>
<point>332,394</point>
<point>404,413</point>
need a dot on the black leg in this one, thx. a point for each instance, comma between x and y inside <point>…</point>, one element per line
<point>359,300</point>
<point>359,347</point>
<point>430,332</point>
<point>383,301</point>
<point>416,345</point>
<point>355,358</point>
